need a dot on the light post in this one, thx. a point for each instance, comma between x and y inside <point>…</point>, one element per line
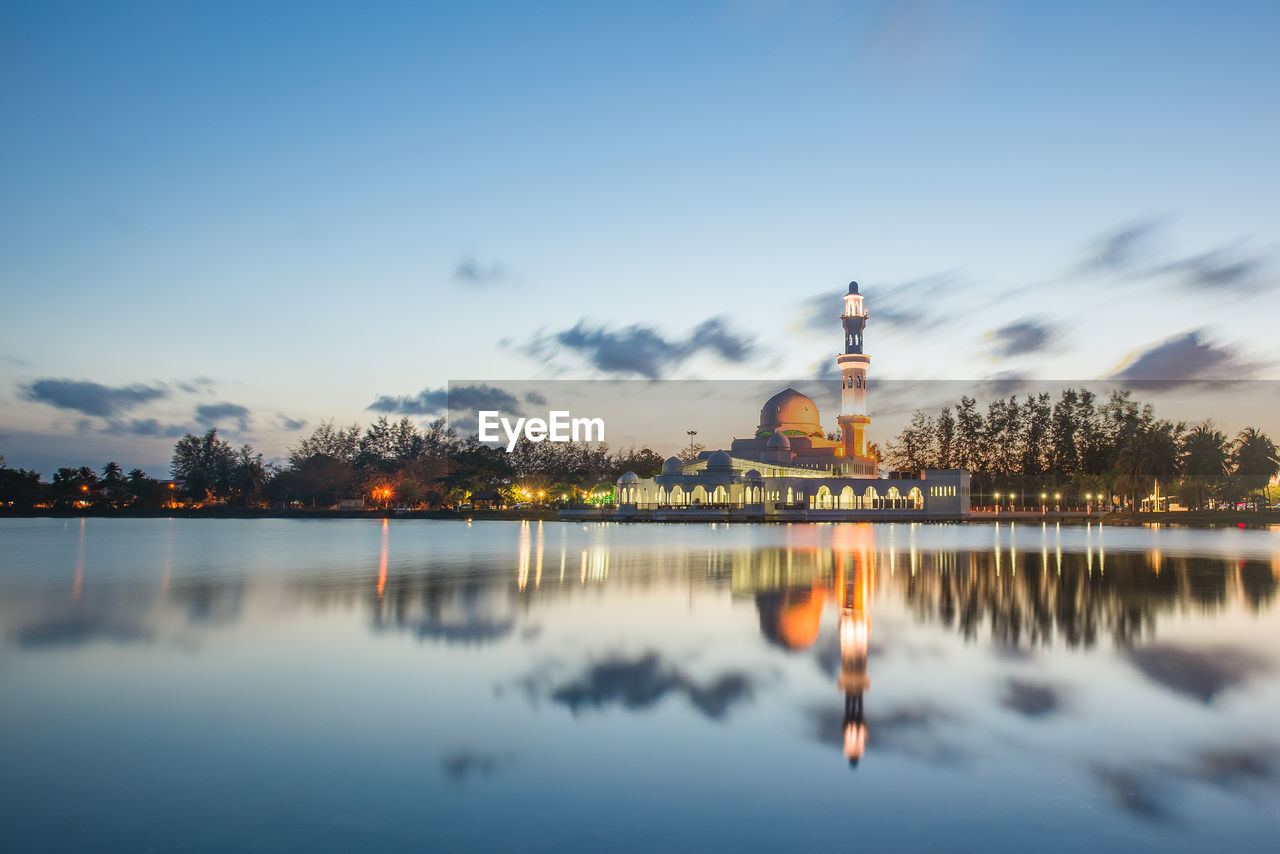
<point>996,497</point>
<point>1057,502</point>
<point>1088,503</point>
<point>1043,508</point>
<point>691,434</point>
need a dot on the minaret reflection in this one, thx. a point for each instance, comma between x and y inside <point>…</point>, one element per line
<point>855,587</point>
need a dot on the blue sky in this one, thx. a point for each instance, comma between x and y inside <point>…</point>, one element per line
<point>278,213</point>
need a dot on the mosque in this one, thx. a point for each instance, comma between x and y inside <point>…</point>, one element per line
<point>788,470</point>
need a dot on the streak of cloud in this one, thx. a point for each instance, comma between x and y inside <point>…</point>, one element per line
<point>643,351</point>
<point>91,398</point>
<point>212,413</point>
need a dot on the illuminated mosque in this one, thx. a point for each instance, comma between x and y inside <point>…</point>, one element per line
<point>790,470</point>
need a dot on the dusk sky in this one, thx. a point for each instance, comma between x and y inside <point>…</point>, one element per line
<point>257,216</point>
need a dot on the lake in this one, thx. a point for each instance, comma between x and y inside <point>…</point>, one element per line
<point>334,685</point>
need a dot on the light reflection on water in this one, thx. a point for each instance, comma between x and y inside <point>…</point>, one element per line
<point>269,683</point>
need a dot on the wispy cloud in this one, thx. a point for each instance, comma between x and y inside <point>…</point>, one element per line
<point>1022,337</point>
<point>149,427</point>
<point>213,413</point>
<point>910,305</point>
<point>91,398</point>
<point>472,272</point>
<point>643,351</point>
<point>284,422</point>
<point>440,401</point>
<point>638,683</point>
<point>1183,359</point>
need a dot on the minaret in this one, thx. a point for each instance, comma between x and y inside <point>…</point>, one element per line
<point>853,381</point>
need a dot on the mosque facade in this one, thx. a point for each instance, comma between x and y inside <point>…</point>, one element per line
<point>789,470</point>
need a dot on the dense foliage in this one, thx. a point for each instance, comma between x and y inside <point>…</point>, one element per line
<point>388,464</point>
<point>1079,445</point>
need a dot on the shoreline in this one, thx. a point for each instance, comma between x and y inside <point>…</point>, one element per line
<point>1193,519</point>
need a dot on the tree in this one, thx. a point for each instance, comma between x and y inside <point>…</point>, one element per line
<point>204,465</point>
<point>1254,459</point>
<point>944,439</point>
<point>146,491</point>
<point>1150,456</point>
<point>1204,459</point>
<point>913,449</point>
<point>336,443</point>
<point>19,487</point>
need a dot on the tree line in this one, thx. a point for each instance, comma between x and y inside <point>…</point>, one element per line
<point>388,463</point>
<point>1081,445</point>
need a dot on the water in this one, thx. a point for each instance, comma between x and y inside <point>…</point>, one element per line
<point>214,685</point>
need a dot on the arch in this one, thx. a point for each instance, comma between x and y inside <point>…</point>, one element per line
<point>871,499</point>
<point>719,495</point>
<point>677,495</point>
<point>846,498</point>
<point>823,498</point>
<point>915,499</point>
<point>894,497</point>
<point>698,495</point>
<point>790,495</point>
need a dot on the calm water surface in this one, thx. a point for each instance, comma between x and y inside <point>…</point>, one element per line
<point>215,685</point>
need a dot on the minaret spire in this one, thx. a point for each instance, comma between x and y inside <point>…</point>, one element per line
<point>853,385</point>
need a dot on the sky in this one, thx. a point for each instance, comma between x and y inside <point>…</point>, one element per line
<point>260,216</point>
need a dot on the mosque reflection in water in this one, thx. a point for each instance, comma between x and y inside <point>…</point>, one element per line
<point>1015,598</point>
<point>791,613</point>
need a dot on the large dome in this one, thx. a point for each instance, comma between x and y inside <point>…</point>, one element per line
<point>791,413</point>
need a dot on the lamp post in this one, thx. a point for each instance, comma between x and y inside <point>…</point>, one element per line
<point>1057,502</point>
<point>1043,508</point>
<point>996,497</point>
<point>1088,503</point>
<point>691,434</point>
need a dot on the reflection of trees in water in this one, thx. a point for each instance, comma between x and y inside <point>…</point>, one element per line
<point>1070,599</point>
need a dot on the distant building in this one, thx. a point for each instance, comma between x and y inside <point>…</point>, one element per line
<point>789,470</point>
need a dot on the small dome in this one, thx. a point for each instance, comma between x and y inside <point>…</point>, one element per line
<point>776,441</point>
<point>672,466</point>
<point>754,475</point>
<point>629,477</point>
<point>853,287</point>
<point>719,461</point>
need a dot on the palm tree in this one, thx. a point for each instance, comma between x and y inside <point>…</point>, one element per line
<point>1253,457</point>
<point>1150,456</point>
<point>1204,456</point>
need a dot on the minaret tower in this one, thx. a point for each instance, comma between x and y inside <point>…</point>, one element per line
<point>853,384</point>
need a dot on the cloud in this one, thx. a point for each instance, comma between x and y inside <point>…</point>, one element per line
<point>212,413</point>
<point>441,401</point>
<point>1201,674</point>
<point>1123,249</point>
<point>1183,359</point>
<point>196,384</point>
<point>908,306</point>
<point>535,399</point>
<point>1221,269</point>
<point>643,350</point>
<point>1028,335</point>
<point>1141,796</point>
<point>1032,699</point>
<point>471,272</point>
<point>465,763</point>
<point>284,422</point>
<point>91,398</point>
<point>640,683</point>
<point>145,427</point>
<point>915,730</point>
